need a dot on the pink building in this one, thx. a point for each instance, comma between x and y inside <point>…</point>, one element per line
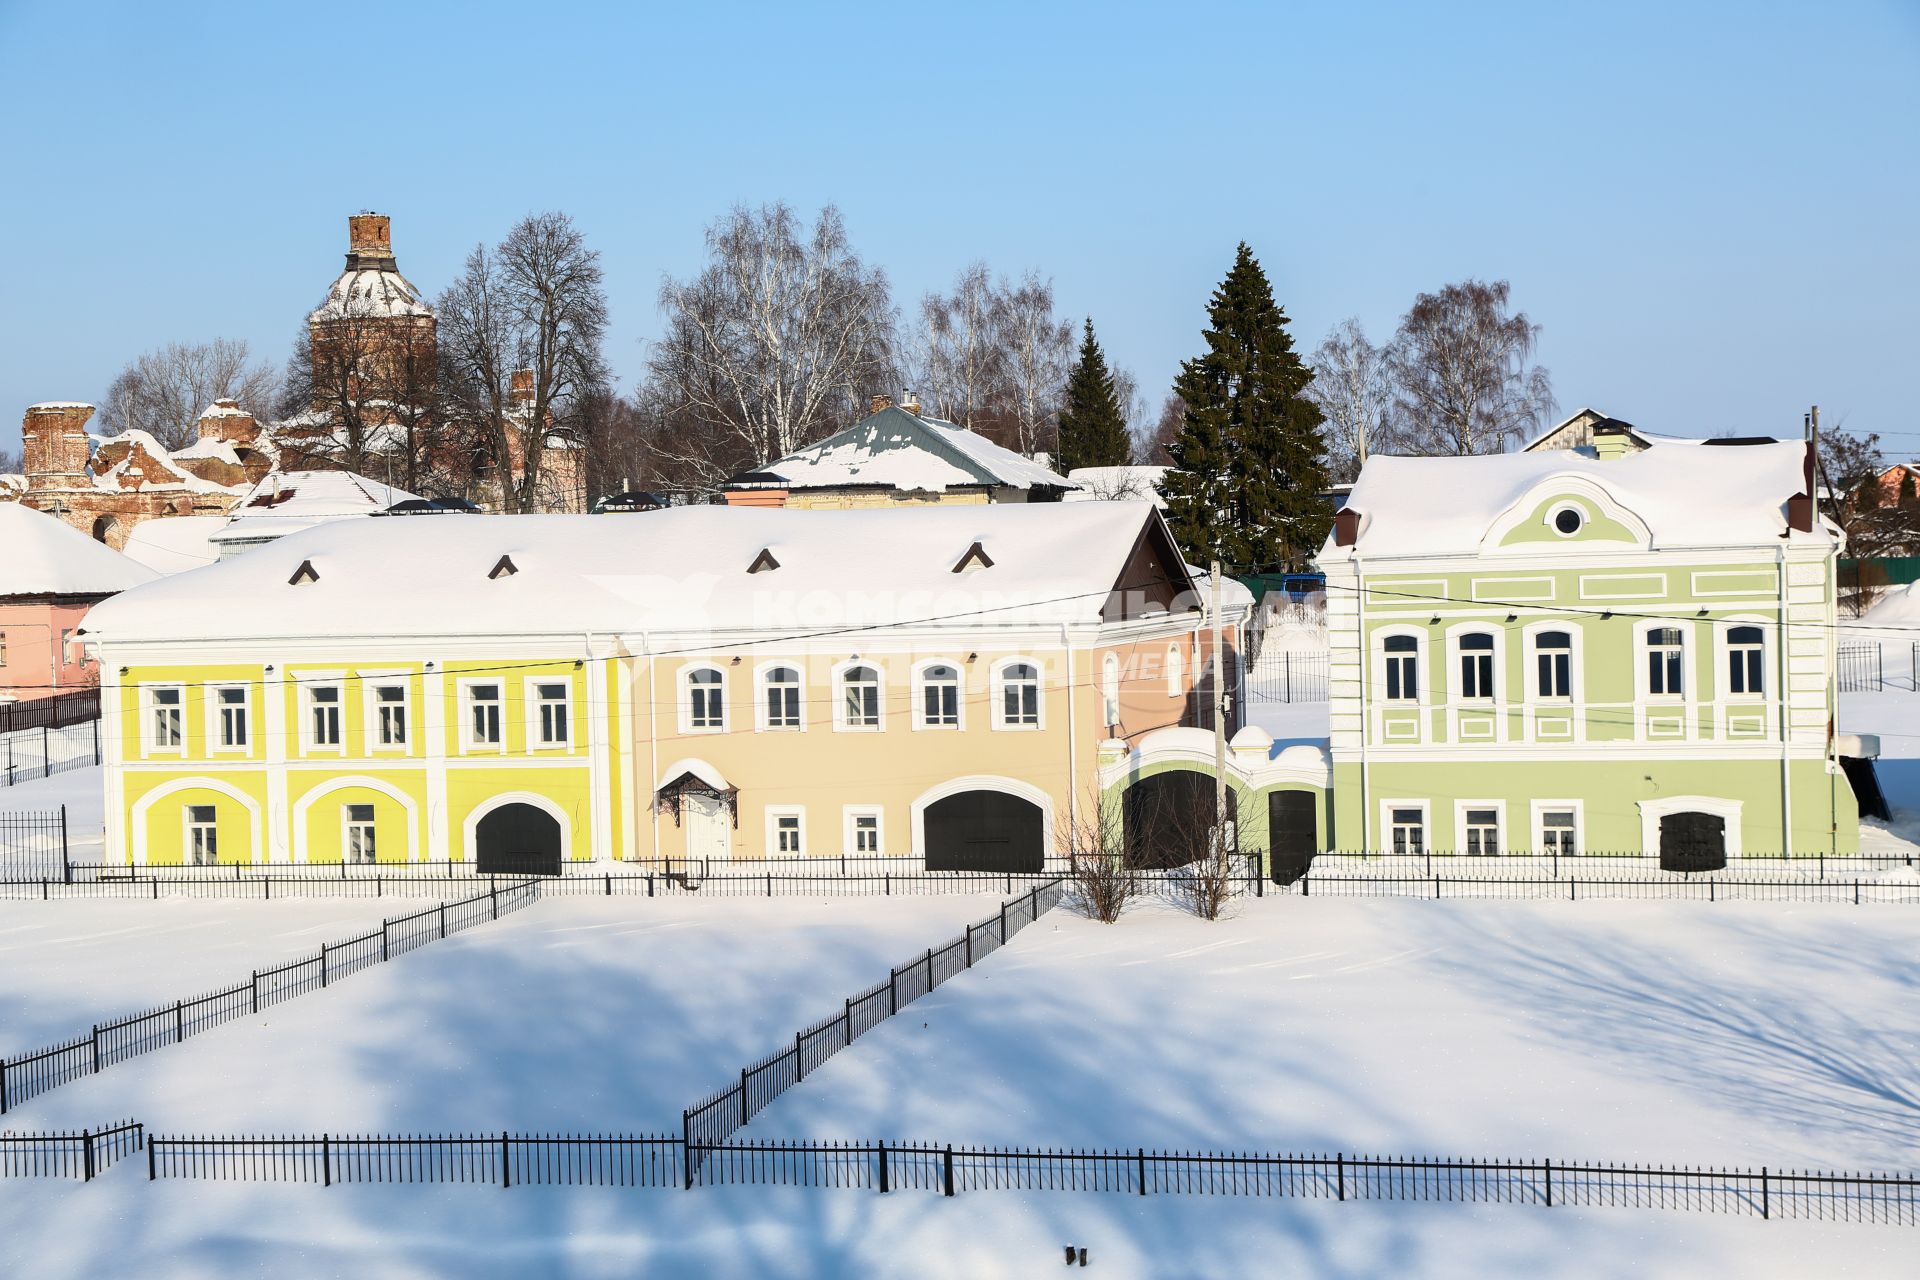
<point>50,575</point>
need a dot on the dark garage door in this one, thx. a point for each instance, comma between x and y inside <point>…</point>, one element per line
<point>1166,819</point>
<point>985,831</point>
<point>1693,842</point>
<point>1294,828</point>
<point>517,840</point>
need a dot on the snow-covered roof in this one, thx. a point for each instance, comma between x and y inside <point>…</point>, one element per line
<point>287,502</point>
<point>174,544</point>
<point>59,404</point>
<point>1683,494</point>
<point>682,570</point>
<point>895,449</point>
<point>138,442</point>
<point>220,450</point>
<point>371,292</point>
<point>1099,483</point>
<point>46,557</point>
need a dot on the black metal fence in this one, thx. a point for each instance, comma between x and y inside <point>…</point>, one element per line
<point>35,1073</point>
<point>1857,891</point>
<point>56,712</point>
<point>26,754</point>
<point>718,1116</point>
<point>84,1155</point>
<point>1858,668</point>
<point>683,869</point>
<point>1287,675</point>
<point>508,1160</point>
<point>33,846</point>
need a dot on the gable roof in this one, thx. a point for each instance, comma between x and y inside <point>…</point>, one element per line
<point>681,570</point>
<point>44,556</point>
<point>894,449</point>
<point>1685,493</point>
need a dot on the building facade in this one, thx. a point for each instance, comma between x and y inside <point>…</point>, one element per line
<point>939,686</point>
<point>50,576</point>
<point>1632,651</point>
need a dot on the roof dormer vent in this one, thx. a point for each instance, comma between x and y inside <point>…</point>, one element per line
<point>504,567</point>
<point>975,558</point>
<point>763,562</point>
<point>304,574</point>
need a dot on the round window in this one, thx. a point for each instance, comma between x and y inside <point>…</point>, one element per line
<point>1567,520</point>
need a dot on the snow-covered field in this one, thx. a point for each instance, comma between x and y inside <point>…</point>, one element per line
<point>576,1014</point>
<point>1626,1030</point>
<point>67,964</point>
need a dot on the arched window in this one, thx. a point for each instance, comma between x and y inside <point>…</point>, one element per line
<point>1017,705</point>
<point>940,697</point>
<point>860,698</point>
<point>1176,678</point>
<point>1110,689</point>
<point>706,700</point>
<point>1666,662</point>
<point>780,698</point>
<point>1476,665</point>
<point>1746,661</point>
<point>1553,656</point>
<point>1403,668</point>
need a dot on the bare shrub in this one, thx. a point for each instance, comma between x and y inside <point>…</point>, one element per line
<point>1099,865</point>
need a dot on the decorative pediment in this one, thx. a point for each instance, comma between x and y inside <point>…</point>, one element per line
<point>1564,513</point>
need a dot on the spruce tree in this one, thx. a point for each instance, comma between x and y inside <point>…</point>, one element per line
<point>1250,484</point>
<point>1093,432</point>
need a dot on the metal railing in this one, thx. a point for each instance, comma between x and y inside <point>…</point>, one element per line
<point>84,1155</point>
<point>41,752</point>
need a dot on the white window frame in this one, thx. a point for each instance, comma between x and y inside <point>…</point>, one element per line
<point>920,685</point>
<point>850,816</point>
<point>683,681</point>
<point>1724,653</point>
<point>1535,692</point>
<point>776,812</point>
<point>1643,650</point>
<point>217,743</point>
<point>763,684</point>
<point>1176,675</point>
<point>347,825</point>
<point>1386,823</point>
<point>536,705</point>
<point>999,687</point>
<point>1110,690</point>
<point>1423,685</point>
<point>1541,808</point>
<point>469,743</point>
<point>304,685</point>
<point>370,688</point>
<point>841,683</point>
<point>150,744</point>
<point>1456,665</point>
<point>1499,809</point>
<point>189,854</point>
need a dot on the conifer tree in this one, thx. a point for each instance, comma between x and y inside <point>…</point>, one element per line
<point>1250,481</point>
<point>1093,432</point>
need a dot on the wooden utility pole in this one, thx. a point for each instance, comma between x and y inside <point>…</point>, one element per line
<point>1220,703</point>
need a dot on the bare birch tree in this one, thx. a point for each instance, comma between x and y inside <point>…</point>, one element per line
<point>963,361</point>
<point>164,391</point>
<point>776,341</point>
<point>1039,351</point>
<point>1461,379</point>
<point>536,302</point>
<point>1351,386</point>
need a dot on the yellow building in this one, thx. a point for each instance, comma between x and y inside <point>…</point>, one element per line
<point>934,684</point>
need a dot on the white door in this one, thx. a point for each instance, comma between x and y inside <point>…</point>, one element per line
<point>707,826</point>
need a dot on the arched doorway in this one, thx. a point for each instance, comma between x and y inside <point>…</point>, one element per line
<point>105,529</point>
<point>517,840</point>
<point>985,831</point>
<point>1693,841</point>
<point>1166,819</point>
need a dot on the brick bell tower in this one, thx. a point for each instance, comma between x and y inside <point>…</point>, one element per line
<point>54,446</point>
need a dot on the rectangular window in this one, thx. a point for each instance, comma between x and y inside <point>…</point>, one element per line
<point>323,715</point>
<point>232,703</point>
<point>1559,831</point>
<point>1666,663</point>
<point>66,648</point>
<point>203,835</point>
<point>166,722</point>
<point>1554,654</point>
<point>1746,662</point>
<point>3,648</point>
<point>483,714</point>
<point>1409,831</point>
<point>359,833</point>
<point>787,831</point>
<point>863,831</point>
<point>551,699</point>
<point>1476,666</point>
<point>390,712</point>
<point>1482,833</point>
<point>1403,669</point>
<point>940,698</point>
<point>860,698</point>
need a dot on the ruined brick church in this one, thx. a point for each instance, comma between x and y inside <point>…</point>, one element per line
<point>372,339</point>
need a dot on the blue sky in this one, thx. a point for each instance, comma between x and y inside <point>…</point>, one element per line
<point>1714,210</point>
